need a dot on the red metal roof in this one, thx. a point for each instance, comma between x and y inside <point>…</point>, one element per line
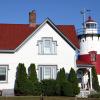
<point>70,32</point>
<point>86,60</point>
<point>90,19</point>
<point>80,62</point>
<point>12,35</point>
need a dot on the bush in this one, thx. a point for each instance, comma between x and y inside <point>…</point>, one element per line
<point>96,95</point>
<point>61,75</point>
<point>21,80</point>
<point>72,78</point>
<point>36,89</point>
<point>32,78</point>
<point>95,83</point>
<point>63,87</point>
<point>48,87</point>
<point>66,89</point>
<point>32,75</point>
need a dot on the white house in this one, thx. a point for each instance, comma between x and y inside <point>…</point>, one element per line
<point>49,46</point>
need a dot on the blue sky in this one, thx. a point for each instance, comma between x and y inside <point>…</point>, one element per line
<point>59,11</point>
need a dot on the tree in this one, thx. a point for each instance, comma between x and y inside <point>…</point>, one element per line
<point>33,81</point>
<point>72,78</point>
<point>63,86</point>
<point>32,73</point>
<point>61,76</point>
<point>21,80</point>
<point>95,83</point>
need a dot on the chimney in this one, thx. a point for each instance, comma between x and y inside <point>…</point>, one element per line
<point>32,18</point>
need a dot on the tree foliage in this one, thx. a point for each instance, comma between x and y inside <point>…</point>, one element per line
<point>21,79</point>
<point>95,83</point>
<point>48,87</point>
<point>63,86</point>
<point>32,75</point>
<point>72,78</point>
<point>61,76</point>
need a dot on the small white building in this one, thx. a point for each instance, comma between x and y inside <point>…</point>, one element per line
<point>49,46</point>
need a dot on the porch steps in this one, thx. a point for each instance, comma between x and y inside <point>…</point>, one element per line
<point>83,94</point>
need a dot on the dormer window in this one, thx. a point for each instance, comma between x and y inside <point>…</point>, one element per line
<point>93,56</point>
<point>46,46</point>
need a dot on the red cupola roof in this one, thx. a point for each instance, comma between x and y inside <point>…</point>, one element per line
<point>90,19</point>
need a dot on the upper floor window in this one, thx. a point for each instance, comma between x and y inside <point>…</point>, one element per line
<point>47,46</point>
<point>3,73</point>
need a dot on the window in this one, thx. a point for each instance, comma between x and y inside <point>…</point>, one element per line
<point>47,46</point>
<point>93,56</point>
<point>47,72</point>
<point>3,73</point>
<point>91,25</point>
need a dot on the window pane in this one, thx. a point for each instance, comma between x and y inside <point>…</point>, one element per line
<point>47,47</point>
<point>40,73</point>
<point>47,73</point>
<point>47,43</point>
<point>2,71</point>
<point>2,77</point>
<point>2,74</point>
<point>87,25</point>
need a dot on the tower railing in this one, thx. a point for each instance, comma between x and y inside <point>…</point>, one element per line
<point>81,31</point>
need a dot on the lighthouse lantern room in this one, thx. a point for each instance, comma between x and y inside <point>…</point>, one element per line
<point>90,37</point>
<point>91,26</point>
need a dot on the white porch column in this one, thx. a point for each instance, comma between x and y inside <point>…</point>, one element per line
<point>90,69</point>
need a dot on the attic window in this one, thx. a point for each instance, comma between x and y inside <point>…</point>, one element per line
<point>46,46</point>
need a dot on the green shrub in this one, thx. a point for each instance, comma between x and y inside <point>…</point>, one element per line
<point>95,83</point>
<point>36,89</point>
<point>48,87</point>
<point>21,79</point>
<point>96,95</point>
<point>72,78</point>
<point>32,75</point>
<point>63,87</point>
<point>66,89</point>
<point>61,75</point>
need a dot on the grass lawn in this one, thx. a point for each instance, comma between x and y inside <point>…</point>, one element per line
<point>38,98</point>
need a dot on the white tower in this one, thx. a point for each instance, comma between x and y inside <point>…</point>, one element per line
<point>89,38</point>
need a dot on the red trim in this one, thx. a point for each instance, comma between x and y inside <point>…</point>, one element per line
<point>87,59</point>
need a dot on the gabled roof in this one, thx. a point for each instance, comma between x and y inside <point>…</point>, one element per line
<point>12,36</point>
<point>70,33</point>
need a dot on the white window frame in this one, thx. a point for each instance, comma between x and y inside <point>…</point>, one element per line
<point>42,73</point>
<point>6,67</point>
<point>41,46</point>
